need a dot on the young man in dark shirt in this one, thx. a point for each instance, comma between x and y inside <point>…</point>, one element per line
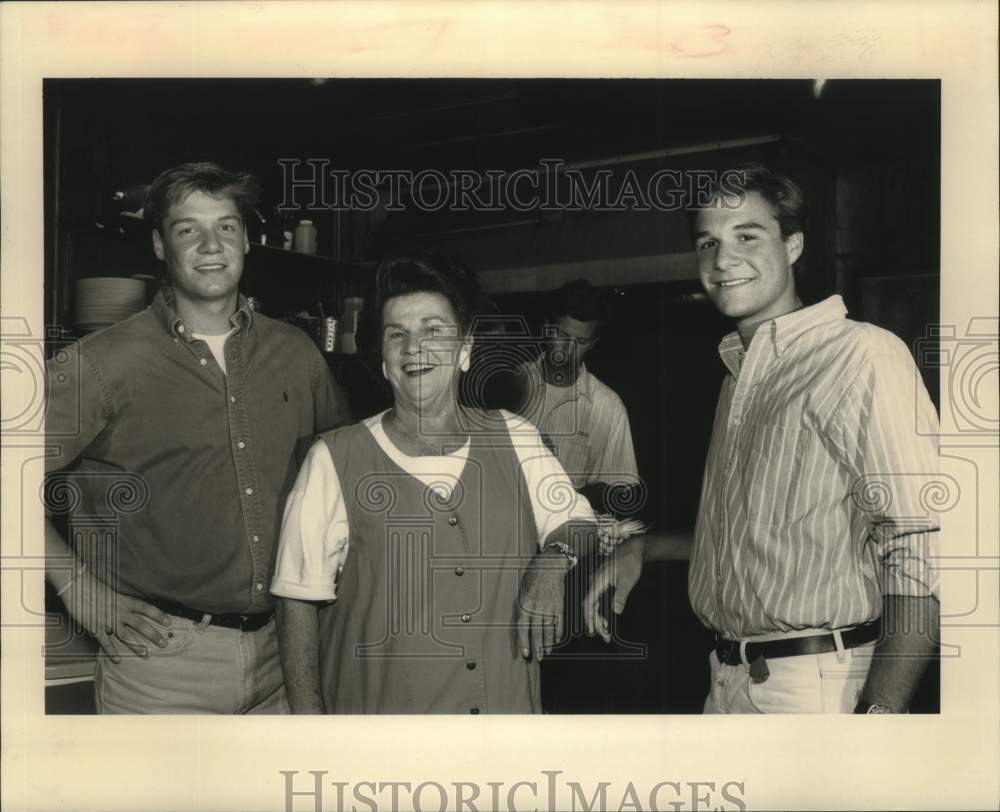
<point>200,410</point>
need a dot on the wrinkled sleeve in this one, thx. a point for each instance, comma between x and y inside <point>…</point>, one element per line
<point>314,537</point>
<point>617,464</point>
<point>330,404</point>
<point>888,429</point>
<point>78,406</point>
<point>554,501</point>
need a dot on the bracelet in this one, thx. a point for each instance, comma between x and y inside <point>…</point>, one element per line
<point>565,549</point>
<point>72,580</point>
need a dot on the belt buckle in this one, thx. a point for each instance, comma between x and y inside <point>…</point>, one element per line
<point>243,621</point>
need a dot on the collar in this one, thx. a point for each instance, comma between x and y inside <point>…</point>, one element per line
<point>783,330</point>
<point>165,313</point>
<point>584,385</point>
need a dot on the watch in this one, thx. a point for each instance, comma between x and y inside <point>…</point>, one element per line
<point>872,707</point>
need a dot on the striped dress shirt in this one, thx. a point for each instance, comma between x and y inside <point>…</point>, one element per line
<point>821,479</point>
<point>585,425</point>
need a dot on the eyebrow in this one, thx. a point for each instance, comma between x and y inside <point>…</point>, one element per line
<point>180,220</point>
<point>737,227</point>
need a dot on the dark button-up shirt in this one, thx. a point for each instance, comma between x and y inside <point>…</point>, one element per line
<point>181,470</point>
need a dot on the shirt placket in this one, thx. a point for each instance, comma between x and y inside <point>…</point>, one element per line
<point>747,369</point>
<point>475,664</point>
<point>247,477</point>
<point>232,383</point>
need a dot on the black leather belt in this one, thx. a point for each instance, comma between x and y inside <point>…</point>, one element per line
<point>230,620</point>
<point>728,651</point>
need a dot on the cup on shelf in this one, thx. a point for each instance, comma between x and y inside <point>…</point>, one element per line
<point>304,237</point>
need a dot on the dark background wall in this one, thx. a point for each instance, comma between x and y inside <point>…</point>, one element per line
<point>867,153</point>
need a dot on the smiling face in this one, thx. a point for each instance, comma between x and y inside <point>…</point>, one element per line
<point>422,351</point>
<point>202,241</point>
<point>744,263</point>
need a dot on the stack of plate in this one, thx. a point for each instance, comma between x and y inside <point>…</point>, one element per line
<point>102,301</point>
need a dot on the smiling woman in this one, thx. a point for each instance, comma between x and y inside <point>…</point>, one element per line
<point>388,516</point>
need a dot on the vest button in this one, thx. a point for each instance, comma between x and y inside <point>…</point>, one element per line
<point>459,570</point>
<point>453,520</point>
<point>471,665</point>
<point>466,618</point>
<point>473,711</point>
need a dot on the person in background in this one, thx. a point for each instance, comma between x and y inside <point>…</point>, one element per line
<point>204,409</point>
<point>586,425</point>
<point>814,548</point>
<point>583,420</point>
<point>423,551</point>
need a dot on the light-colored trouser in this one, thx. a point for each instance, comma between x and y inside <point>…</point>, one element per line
<point>202,669</point>
<point>806,683</point>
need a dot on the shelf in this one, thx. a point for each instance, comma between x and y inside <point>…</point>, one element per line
<point>274,249</point>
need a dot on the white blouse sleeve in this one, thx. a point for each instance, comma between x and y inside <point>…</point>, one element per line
<point>554,500</point>
<point>314,533</point>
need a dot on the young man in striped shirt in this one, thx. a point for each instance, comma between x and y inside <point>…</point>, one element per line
<point>582,419</point>
<point>814,541</point>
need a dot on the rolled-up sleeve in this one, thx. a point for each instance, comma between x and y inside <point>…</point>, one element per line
<point>889,431</point>
<point>314,533</point>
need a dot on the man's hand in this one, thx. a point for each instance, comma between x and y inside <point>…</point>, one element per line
<point>114,620</point>
<point>540,604</point>
<point>620,572</point>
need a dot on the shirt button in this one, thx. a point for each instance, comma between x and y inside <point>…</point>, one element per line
<point>466,618</point>
<point>241,444</point>
<point>459,570</point>
<point>232,398</point>
<point>256,537</point>
<point>203,362</point>
<point>473,711</point>
<point>249,491</point>
<point>260,587</point>
<point>453,520</point>
<point>471,665</point>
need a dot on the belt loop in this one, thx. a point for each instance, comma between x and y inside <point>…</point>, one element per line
<point>203,623</point>
<point>838,641</point>
<point>743,653</point>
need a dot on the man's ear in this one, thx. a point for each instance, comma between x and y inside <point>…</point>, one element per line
<point>246,241</point>
<point>158,244</point>
<point>793,246</point>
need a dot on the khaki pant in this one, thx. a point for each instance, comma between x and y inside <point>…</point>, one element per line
<point>808,683</point>
<point>203,669</point>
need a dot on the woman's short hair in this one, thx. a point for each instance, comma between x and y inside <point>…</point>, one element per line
<point>430,272</point>
<point>175,184</point>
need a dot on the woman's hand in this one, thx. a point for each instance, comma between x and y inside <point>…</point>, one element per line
<point>620,572</point>
<point>116,621</point>
<point>540,604</point>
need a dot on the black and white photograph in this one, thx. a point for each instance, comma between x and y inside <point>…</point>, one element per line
<point>595,405</point>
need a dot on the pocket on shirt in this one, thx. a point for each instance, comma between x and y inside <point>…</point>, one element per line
<point>774,473</point>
